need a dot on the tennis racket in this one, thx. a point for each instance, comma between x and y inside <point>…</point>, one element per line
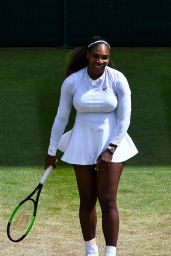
<point>24,214</point>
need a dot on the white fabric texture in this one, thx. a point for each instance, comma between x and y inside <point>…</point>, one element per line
<point>110,251</point>
<point>103,110</point>
<point>91,249</point>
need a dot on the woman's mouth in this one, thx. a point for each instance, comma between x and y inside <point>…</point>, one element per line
<point>100,66</point>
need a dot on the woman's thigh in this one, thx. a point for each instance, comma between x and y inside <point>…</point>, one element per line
<point>86,181</point>
<point>108,180</point>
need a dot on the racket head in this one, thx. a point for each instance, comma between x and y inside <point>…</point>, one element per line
<point>24,214</point>
<point>21,220</point>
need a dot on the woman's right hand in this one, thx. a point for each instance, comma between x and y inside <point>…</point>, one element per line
<point>50,160</point>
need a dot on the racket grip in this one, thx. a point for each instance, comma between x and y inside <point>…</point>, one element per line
<point>46,174</point>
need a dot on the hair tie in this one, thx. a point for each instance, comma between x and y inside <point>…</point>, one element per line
<point>99,41</point>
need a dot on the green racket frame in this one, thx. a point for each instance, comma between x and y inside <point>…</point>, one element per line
<point>35,205</point>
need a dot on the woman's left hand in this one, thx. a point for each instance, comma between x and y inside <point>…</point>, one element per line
<point>103,161</point>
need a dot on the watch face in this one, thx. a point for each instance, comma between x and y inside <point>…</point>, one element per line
<point>112,149</point>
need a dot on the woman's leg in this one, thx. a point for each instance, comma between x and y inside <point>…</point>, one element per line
<point>86,181</point>
<point>107,186</point>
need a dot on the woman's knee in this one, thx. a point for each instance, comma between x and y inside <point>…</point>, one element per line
<point>87,202</point>
<point>107,203</point>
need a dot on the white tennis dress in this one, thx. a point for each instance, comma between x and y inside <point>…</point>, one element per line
<point>103,110</point>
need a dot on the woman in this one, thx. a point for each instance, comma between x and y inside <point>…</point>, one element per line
<point>98,144</point>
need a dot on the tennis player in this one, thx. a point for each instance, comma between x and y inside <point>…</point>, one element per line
<point>98,144</point>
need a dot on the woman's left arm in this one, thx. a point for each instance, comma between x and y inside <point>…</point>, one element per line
<point>123,115</point>
<point>123,110</point>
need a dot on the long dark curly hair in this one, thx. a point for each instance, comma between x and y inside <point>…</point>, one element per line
<point>76,59</point>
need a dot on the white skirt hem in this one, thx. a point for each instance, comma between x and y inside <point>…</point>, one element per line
<point>123,152</point>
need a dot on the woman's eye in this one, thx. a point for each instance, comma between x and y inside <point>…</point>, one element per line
<point>104,57</point>
<point>95,56</point>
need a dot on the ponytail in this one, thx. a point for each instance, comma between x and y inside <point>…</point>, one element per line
<point>76,60</point>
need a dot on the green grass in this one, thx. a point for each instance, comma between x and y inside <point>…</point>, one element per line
<point>144,201</point>
<point>30,83</point>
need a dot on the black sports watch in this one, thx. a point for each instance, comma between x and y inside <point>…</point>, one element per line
<point>111,148</point>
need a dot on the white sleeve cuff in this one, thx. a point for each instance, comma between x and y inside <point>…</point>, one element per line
<point>52,151</point>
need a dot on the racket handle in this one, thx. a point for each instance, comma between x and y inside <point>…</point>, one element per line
<point>46,174</point>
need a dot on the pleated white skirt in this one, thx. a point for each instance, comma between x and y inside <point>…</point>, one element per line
<point>90,136</point>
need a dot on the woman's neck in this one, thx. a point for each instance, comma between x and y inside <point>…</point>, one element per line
<point>94,76</point>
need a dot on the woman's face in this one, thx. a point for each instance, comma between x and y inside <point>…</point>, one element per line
<point>98,59</point>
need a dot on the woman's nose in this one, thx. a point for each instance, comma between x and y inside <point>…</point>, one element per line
<point>100,61</point>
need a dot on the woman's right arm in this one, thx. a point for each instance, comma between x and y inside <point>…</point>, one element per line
<point>61,120</point>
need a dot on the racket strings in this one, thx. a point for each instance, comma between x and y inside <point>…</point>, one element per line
<point>22,220</point>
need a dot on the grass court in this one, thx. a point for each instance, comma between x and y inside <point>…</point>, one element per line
<point>30,81</point>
